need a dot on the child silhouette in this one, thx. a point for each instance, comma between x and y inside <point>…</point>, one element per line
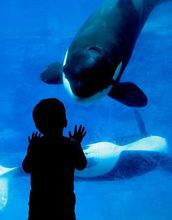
<point>51,160</point>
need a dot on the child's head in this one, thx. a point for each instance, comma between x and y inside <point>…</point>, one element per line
<point>49,116</point>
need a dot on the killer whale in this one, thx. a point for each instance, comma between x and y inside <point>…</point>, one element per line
<point>127,157</point>
<point>100,51</point>
<point>109,161</point>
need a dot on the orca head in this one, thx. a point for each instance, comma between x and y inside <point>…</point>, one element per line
<point>88,73</point>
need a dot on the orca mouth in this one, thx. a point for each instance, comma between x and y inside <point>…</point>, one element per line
<point>83,93</point>
<point>82,90</point>
<point>94,96</point>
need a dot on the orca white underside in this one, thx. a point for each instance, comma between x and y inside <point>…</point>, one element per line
<point>103,156</point>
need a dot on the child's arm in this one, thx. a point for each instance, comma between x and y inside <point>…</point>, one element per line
<point>79,156</point>
<point>27,162</point>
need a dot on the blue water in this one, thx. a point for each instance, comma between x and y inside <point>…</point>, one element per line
<point>34,34</point>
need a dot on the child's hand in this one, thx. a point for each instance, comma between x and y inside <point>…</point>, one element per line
<point>35,136</point>
<point>78,133</point>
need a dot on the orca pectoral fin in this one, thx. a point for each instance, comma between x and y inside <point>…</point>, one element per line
<point>53,74</point>
<point>129,94</point>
